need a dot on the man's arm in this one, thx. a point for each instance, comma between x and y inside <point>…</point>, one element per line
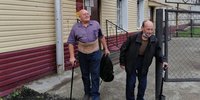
<point>123,51</point>
<point>72,58</point>
<point>103,41</point>
<point>160,56</point>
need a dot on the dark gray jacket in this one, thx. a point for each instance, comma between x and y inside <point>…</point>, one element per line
<point>130,50</point>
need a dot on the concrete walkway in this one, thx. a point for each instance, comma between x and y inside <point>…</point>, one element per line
<point>115,90</point>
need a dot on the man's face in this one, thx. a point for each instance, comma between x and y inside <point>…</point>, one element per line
<point>84,16</point>
<point>147,29</point>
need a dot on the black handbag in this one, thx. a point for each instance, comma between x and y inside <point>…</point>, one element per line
<point>106,69</point>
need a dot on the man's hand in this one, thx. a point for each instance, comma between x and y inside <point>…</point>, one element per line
<point>122,66</point>
<point>165,65</point>
<point>106,52</point>
<point>72,60</point>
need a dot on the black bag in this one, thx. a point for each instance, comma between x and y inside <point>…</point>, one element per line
<point>106,69</point>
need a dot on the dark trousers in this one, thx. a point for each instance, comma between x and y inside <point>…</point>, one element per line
<point>90,69</point>
<point>131,80</point>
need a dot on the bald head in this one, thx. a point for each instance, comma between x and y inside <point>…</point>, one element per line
<point>147,28</point>
<point>147,23</point>
<point>82,11</point>
<point>84,16</point>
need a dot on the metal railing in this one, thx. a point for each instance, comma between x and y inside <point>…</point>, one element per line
<point>115,36</point>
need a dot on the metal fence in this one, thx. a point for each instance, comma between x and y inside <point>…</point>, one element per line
<point>182,45</point>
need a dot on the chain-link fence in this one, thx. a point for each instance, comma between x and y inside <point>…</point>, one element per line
<point>183,32</point>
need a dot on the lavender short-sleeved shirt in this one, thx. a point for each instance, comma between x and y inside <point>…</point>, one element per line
<point>85,34</point>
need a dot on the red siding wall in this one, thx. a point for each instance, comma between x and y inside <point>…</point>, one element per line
<point>19,67</point>
<point>66,53</point>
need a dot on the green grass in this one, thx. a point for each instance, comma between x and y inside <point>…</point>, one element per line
<point>187,33</point>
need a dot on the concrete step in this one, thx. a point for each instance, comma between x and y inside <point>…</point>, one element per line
<point>51,82</point>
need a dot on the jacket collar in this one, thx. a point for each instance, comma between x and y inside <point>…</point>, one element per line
<point>139,38</point>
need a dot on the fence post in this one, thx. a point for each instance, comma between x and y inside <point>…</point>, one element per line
<point>159,35</point>
<point>191,32</point>
<point>166,34</point>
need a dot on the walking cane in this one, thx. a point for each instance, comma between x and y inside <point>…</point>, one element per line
<point>162,97</point>
<point>72,80</point>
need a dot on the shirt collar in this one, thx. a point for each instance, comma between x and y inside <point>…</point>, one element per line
<point>80,24</point>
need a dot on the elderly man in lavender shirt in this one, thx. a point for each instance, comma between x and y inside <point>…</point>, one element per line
<point>86,33</point>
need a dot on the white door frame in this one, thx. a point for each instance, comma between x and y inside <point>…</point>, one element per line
<point>140,12</point>
<point>122,17</point>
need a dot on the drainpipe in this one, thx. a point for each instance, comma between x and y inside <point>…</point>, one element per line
<point>59,39</point>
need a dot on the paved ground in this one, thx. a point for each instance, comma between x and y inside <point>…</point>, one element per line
<point>183,55</point>
<point>115,90</point>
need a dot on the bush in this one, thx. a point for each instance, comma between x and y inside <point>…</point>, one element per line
<point>24,93</point>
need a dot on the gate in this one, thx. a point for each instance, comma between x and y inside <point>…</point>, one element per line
<point>182,37</point>
<point>178,32</point>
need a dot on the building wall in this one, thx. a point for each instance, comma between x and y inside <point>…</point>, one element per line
<point>20,23</point>
<point>27,36</point>
<point>27,42</point>
<point>25,25</point>
<point>174,5</point>
<point>146,10</point>
<point>132,15</point>
<point>109,12</point>
<point>68,17</point>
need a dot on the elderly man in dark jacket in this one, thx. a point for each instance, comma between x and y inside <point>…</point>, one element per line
<point>136,56</point>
